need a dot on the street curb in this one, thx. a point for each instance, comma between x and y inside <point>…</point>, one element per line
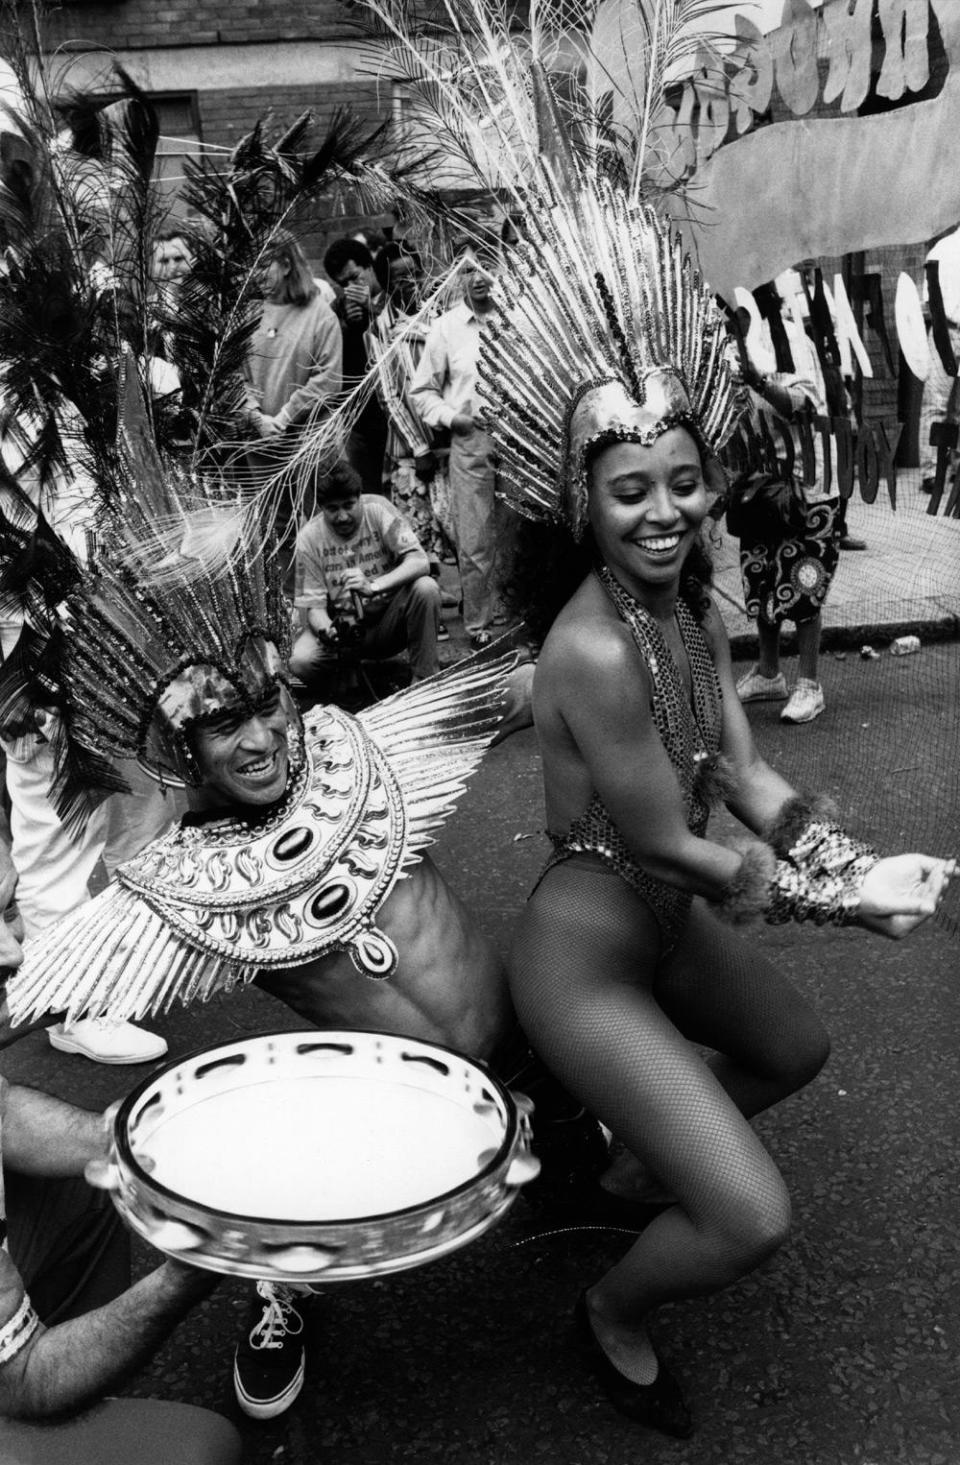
<point>946,627</point>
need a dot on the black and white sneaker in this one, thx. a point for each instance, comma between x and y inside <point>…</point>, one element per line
<point>269,1364</point>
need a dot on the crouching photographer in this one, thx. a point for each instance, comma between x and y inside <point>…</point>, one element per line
<point>363,585</point>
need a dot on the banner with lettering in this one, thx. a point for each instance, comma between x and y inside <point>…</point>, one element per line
<point>863,149</point>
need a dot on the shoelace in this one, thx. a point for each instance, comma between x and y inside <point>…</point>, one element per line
<point>276,1323</point>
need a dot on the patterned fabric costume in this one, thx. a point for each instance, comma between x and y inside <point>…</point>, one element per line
<point>787,578</point>
<point>789,541</point>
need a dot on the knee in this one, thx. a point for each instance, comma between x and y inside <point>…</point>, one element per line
<point>802,1060</point>
<point>304,656</point>
<point>761,1226</point>
<point>812,1053</point>
<point>425,592</point>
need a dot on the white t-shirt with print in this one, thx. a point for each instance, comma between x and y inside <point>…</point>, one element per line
<point>382,538</point>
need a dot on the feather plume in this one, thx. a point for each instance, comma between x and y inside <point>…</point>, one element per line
<point>584,86</point>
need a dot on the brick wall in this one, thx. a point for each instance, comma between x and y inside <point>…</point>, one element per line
<point>136,23</point>
<point>225,116</point>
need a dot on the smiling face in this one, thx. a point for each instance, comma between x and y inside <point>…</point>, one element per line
<point>645,507</point>
<point>244,759</point>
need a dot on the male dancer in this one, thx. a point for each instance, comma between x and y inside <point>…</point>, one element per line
<point>301,863</point>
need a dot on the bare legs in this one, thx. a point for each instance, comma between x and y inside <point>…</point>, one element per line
<point>808,648</point>
<point>616,1023</point>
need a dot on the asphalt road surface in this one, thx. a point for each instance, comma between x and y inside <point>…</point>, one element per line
<point>840,1351</point>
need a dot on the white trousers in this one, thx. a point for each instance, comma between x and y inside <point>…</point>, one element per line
<point>55,865</point>
<point>474,522</point>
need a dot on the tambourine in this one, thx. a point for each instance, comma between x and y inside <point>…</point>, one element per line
<point>317,1155</point>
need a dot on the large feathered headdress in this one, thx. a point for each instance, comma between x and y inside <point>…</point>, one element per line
<point>131,665</point>
<point>606,334</point>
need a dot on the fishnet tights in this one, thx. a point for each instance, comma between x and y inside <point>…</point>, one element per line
<point>615,1021</point>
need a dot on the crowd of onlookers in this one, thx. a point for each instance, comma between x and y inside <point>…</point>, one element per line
<point>416,467</point>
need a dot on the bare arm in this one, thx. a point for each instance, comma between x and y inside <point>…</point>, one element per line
<point>45,1136</point>
<point>602,693</point>
<point>412,564</point>
<point>64,1368</point>
<point>602,690</point>
<point>761,791</point>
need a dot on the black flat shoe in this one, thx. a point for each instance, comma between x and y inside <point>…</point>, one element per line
<point>659,1405</point>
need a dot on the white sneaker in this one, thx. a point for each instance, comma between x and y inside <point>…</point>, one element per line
<point>107,1042</point>
<point>755,688</point>
<point>806,702</point>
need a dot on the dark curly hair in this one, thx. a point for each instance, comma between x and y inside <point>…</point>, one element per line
<point>341,481</point>
<point>542,567</point>
<point>344,251</point>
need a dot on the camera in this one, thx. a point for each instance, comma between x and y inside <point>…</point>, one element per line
<point>348,622</point>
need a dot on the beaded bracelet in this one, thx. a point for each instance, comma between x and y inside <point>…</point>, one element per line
<point>821,878</point>
<point>16,1333</point>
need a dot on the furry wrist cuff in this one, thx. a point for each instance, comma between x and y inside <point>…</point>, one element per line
<point>811,870</point>
<point>746,896</point>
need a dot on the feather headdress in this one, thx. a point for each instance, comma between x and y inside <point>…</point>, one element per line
<point>606,334</point>
<point>131,669</point>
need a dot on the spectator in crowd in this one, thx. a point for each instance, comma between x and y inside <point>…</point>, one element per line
<point>363,582</point>
<point>55,864</point>
<point>396,342</point>
<point>349,264</point>
<point>172,263</point>
<point>444,392</point>
<point>788,524</point>
<point>294,366</point>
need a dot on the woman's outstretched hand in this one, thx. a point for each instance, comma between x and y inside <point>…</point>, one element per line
<point>901,892</point>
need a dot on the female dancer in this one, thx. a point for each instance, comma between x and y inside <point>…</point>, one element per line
<point>618,965</point>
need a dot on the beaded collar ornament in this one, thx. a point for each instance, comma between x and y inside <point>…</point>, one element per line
<point>206,906</point>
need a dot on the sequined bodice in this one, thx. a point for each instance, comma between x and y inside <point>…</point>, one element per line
<point>689,728</point>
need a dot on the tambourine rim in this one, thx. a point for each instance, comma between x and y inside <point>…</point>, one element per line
<point>242,1218</point>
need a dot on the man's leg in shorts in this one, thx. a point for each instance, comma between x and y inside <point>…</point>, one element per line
<point>124,1432</point>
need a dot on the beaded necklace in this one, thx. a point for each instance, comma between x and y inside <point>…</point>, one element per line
<point>690,733</point>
